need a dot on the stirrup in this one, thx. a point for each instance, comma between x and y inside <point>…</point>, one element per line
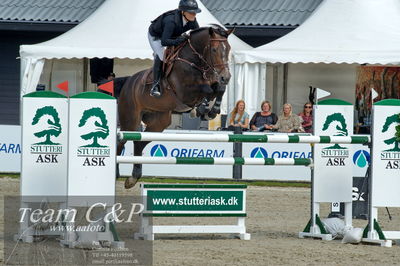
<point>155,92</point>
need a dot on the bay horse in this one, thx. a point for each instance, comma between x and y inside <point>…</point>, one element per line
<point>194,71</point>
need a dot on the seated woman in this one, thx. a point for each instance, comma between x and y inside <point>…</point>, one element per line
<point>307,117</point>
<point>263,120</point>
<point>288,122</point>
<point>238,117</point>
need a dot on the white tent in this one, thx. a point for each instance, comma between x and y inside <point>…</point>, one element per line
<point>117,29</point>
<point>339,31</point>
<point>353,32</point>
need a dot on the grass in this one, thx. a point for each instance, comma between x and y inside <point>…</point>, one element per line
<point>3,175</point>
<point>260,183</point>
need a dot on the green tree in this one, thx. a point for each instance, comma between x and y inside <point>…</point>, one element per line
<point>396,138</point>
<point>54,126</point>
<point>339,118</point>
<point>398,131</point>
<point>342,128</point>
<point>102,130</point>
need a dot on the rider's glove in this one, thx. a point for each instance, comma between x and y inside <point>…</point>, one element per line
<point>180,40</point>
<point>185,35</point>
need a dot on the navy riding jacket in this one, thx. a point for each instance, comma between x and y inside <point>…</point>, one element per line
<point>169,26</point>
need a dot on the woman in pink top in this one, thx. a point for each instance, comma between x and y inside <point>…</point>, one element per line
<point>307,117</point>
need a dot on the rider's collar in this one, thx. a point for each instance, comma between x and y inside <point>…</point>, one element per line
<point>184,20</point>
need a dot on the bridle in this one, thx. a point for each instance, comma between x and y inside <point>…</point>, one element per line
<point>207,66</point>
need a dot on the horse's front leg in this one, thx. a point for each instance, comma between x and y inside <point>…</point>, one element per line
<point>202,108</point>
<point>216,108</point>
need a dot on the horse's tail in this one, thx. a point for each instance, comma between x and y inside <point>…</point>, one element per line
<point>118,84</point>
<point>127,100</point>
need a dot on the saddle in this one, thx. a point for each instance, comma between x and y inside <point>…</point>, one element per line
<point>170,54</point>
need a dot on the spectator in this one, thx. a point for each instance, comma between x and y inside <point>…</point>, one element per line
<point>307,117</point>
<point>111,76</point>
<point>265,119</point>
<point>238,117</point>
<point>288,122</point>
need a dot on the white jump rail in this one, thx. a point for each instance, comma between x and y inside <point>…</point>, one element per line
<point>152,136</point>
<point>215,161</point>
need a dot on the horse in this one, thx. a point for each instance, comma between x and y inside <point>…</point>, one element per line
<point>195,71</point>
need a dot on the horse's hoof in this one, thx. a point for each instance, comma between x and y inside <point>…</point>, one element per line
<point>193,113</point>
<point>117,173</point>
<point>130,182</point>
<point>211,115</point>
<point>201,110</point>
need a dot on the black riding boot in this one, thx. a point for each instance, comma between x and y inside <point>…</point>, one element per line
<point>157,70</point>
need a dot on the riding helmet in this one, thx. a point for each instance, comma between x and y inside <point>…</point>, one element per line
<point>189,6</point>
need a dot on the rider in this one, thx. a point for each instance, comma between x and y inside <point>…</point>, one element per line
<point>166,30</point>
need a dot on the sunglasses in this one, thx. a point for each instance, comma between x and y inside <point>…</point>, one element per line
<point>307,106</point>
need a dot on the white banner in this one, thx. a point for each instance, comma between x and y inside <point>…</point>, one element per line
<point>386,154</point>
<point>361,157</point>
<point>182,149</point>
<point>221,150</point>
<point>277,150</point>
<point>333,173</point>
<point>44,142</point>
<point>92,145</point>
<point>10,149</point>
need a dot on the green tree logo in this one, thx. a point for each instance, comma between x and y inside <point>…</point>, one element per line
<point>101,129</point>
<point>396,138</point>
<point>341,128</point>
<point>53,126</point>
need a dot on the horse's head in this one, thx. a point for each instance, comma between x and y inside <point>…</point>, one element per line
<point>212,47</point>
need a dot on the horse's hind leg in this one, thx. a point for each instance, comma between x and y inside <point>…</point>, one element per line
<point>155,122</point>
<point>138,147</point>
<point>131,181</point>
<point>120,148</point>
<point>132,125</point>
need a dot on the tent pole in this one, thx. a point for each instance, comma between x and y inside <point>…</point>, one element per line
<point>85,73</point>
<point>285,81</point>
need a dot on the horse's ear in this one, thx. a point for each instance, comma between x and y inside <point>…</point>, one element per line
<point>230,31</point>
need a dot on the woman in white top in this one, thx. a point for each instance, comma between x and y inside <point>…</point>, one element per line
<point>239,117</point>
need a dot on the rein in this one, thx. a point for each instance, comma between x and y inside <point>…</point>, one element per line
<point>208,67</point>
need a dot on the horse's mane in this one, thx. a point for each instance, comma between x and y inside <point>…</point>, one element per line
<point>220,30</point>
<point>217,28</point>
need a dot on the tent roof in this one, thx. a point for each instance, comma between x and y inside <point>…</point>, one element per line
<point>117,29</point>
<point>262,12</point>
<point>47,11</point>
<point>339,31</point>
